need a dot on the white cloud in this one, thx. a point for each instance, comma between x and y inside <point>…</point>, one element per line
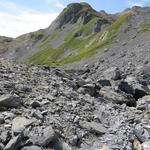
<point>19,20</point>
<point>59,5</point>
<point>13,25</point>
<point>55,3</point>
<point>137,2</point>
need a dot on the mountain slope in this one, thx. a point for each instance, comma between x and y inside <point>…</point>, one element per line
<point>77,34</point>
<point>4,42</point>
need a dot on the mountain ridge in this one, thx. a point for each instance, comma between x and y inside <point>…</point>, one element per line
<point>77,23</point>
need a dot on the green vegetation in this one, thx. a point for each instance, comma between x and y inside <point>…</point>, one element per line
<point>88,28</point>
<point>145,27</point>
<point>86,46</point>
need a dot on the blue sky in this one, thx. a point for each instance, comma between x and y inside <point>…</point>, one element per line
<point>23,16</point>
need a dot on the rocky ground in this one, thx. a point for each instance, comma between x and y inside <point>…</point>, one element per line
<point>43,108</point>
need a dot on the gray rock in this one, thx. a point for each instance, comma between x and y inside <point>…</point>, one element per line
<point>9,115</point>
<point>14,143</point>
<point>1,146</point>
<point>139,90</point>
<point>5,136</point>
<point>77,34</point>
<point>115,97</point>
<point>10,101</point>
<point>26,89</point>
<point>31,148</point>
<point>63,108</point>
<point>82,90</point>
<point>20,123</point>
<point>105,147</point>
<point>43,137</point>
<point>35,104</point>
<point>38,115</point>
<point>74,140</point>
<point>146,145</point>
<point>143,103</point>
<point>104,82</point>
<point>61,73</point>
<point>139,135</point>
<point>50,97</point>
<point>94,127</point>
<point>125,87</point>
<point>80,82</point>
<point>90,89</point>
<point>2,120</point>
<point>99,24</point>
<point>112,74</point>
<point>61,146</point>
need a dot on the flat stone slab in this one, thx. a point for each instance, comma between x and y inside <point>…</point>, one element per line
<point>19,123</point>
<point>94,127</point>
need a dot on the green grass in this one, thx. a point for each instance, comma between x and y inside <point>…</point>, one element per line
<point>87,46</point>
<point>87,28</point>
<point>145,27</point>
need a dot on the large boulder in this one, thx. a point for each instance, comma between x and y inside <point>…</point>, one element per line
<point>90,88</point>
<point>112,74</point>
<point>43,137</point>
<point>104,82</point>
<point>143,103</point>
<point>94,127</point>
<point>125,87</point>
<point>116,97</point>
<point>10,101</point>
<point>14,143</point>
<point>20,123</point>
<point>132,86</point>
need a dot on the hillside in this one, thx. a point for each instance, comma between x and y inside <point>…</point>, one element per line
<point>79,33</point>
<point>4,42</point>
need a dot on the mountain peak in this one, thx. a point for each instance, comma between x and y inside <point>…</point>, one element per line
<point>82,4</point>
<point>74,11</point>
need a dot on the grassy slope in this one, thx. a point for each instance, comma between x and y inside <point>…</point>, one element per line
<point>145,27</point>
<point>87,45</point>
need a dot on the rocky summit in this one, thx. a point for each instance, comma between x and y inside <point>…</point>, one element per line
<point>81,84</point>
